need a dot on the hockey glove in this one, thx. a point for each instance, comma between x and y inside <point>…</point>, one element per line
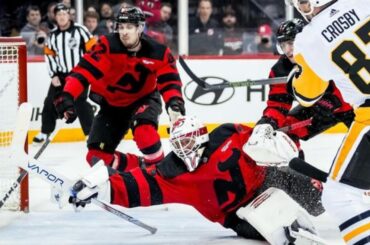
<point>269,147</point>
<point>346,117</point>
<point>323,113</point>
<point>94,184</point>
<point>325,107</point>
<point>64,106</point>
<point>175,108</point>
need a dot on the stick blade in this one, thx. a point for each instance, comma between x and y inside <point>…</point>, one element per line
<point>20,132</point>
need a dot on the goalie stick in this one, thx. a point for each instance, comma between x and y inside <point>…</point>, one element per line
<point>16,184</point>
<point>20,158</point>
<point>226,84</point>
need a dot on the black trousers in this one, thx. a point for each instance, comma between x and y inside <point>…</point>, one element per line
<point>83,108</point>
<point>112,123</point>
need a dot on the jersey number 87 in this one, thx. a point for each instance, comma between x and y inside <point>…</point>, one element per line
<point>358,70</point>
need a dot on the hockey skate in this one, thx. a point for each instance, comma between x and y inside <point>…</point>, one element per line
<point>302,232</point>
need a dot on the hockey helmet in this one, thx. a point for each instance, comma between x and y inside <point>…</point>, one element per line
<point>187,136</point>
<point>289,29</point>
<point>132,15</point>
<point>312,4</point>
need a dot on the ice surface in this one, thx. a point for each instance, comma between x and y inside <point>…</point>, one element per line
<point>177,224</point>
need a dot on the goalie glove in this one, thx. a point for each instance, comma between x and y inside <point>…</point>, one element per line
<point>94,185</point>
<point>268,147</point>
<point>175,108</point>
<point>64,106</point>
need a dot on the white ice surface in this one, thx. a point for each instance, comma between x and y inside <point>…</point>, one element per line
<point>177,224</point>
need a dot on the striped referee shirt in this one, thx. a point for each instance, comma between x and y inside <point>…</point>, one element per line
<point>64,49</point>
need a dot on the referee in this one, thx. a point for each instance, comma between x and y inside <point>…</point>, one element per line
<point>65,46</point>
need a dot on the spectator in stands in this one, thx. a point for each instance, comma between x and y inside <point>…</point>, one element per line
<point>72,14</point>
<point>105,25</point>
<point>32,33</point>
<point>106,11</point>
<point>151,9</point>
<point>122,4</point>
<point>232,38</point>
<point>91,20</point>
<point>91,8</point>
<point>49,20</point>
<point>203,31</point>
<point>66,3</point>
<point>162,31</point>
<point>265,43</point>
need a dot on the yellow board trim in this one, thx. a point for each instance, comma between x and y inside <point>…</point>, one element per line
<point>76,134</point>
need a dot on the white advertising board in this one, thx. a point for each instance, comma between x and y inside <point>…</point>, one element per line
<point>227,105</point>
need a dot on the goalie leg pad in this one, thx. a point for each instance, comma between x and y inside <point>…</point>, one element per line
<point>271,211</point>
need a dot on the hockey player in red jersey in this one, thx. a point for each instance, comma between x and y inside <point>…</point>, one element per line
<point>128,72</point>
<point>207,171</point>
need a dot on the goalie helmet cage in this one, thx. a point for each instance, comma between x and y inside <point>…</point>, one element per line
<point>13,92</point>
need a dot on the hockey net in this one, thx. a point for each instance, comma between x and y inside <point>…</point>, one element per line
<point>13,91</point>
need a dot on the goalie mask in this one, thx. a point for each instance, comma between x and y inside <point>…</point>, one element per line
<point>187,137</point>
<point>306,7</point>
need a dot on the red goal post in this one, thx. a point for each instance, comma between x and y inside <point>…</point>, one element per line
<point>13,92</point>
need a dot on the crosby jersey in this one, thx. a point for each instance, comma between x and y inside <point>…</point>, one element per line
<point>120,77</point>
<point>335,46</point>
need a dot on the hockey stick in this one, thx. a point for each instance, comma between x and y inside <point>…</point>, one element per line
<point>226,84</point>
<point>16,184</point>
<point>19,136</point>
<point>296,125</point>
<point>20,158</point>
<point>56,179</point>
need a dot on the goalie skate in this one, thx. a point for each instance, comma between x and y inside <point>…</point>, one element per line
<point>303,237</point>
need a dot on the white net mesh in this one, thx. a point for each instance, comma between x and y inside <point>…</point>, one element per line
<point>9,99</point>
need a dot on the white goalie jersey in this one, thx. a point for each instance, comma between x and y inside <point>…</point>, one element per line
<point>335,46</point>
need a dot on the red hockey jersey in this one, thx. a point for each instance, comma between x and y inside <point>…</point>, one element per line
<point>225,180</point>
<point>121,77</point>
